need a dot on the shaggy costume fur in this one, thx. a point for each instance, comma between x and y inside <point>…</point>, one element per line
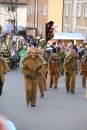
<point>70,67</point>
<point>83,69</point>
<point>54,69</point>
<point>3,69</point>
<point>31,66</point>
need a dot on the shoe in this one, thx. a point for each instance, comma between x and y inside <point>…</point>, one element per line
<point>27,103</point>
<point>67,90</point>
<point>42,95</point>
<point>50,86</point>
<point>33,105</point>
<point>72,91</point>
<point>62,74</point>
<point>46,89</point>
<point>55,87</point>
<point>84,86</point>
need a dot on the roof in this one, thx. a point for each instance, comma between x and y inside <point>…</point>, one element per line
<point>68,36</point>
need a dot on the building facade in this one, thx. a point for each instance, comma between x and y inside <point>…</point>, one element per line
<point>39,12</point>
<point>75,16</point>
<point>11,11</point>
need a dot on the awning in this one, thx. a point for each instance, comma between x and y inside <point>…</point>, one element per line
<point>68,36</point>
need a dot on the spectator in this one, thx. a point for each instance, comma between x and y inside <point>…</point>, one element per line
<point>6,124</point>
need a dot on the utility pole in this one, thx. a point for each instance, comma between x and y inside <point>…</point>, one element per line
<point>14,25</point>
<point>37,17</point>
<point>16,15</point>
<point>63,15</point>
<point>34,12</point>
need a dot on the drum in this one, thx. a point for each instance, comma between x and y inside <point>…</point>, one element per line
<point>14,58</point>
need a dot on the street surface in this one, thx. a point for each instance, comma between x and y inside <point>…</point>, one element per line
<point>58,110</point>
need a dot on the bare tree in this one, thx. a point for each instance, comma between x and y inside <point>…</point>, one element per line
<point>10,6</point>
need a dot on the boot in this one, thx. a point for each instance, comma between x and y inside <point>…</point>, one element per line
<point>67,90</point>
<point>42,95</point>
<point>72,91</point>
<point>33,105</point>
<point>27,103</point>
<point>55,87</point>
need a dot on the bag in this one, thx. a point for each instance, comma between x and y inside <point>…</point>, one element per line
<point>1,85</point>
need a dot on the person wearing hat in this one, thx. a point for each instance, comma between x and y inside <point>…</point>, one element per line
<point>83,68</point>
<point>71,70</point>
<point>31,69</point>
<point>3,71</point>
<point>54,69</point>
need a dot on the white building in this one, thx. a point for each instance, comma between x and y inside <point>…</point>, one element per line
<point>8,13</point>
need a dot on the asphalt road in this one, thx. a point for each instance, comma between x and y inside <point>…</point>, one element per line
<point>58,110</point>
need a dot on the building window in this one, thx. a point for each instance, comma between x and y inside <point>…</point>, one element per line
<point>85,10</point>
<point>31,25</point>
<point>77,30</point>
<point>40,10</point>
<point>85,34</point>
<point>66,9</point>
<point>45,10</point>
<point>29,10</point>
<point>40,29</point>
<point>43,29</point>
<point>28,24</point>
<point>56,28</point>
<point>12,8</point>
<point>8,8</point>
<point>11,21</point>
<point>78,10</point>
<point>66,29</point>
<point>34,8</point>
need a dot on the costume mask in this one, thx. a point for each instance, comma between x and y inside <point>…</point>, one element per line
<point>73,53</point>
<point>33,53</point>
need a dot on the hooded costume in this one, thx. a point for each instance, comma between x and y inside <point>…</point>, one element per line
<point>83,68</point>
<point>31,70</point>
<point>54,69</point>
<point>70,69</point>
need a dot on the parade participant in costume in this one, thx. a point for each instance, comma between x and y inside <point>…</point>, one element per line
<point>8,39</point>
<point>13,58</point>
<point>6,54</point>
<point>54,69</point>
<point>83,68</point>
<point>61,56</point>
<point>31,68</point>
<point>21,54</point>
<point>42,77</point>
<point>3,71</point>
<point>44,66</point>
<point>71,70</point>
